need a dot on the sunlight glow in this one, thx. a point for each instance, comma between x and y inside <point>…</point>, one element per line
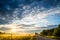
<point>13,28</point>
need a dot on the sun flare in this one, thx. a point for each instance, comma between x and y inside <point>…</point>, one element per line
<point>13,28</point>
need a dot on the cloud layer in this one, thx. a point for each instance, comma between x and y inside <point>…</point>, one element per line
<point>28,15</point>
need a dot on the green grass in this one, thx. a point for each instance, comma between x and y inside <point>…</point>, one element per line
<point>53,37</point>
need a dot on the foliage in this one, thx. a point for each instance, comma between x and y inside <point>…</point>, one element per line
<point>57,32</point>
<point>51,32</point>
<point>59,26</point>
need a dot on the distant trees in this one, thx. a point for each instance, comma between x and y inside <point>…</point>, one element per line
<point>44,32</point>
<point>2,32</point>
<point>51,32</point>
<point>47,32</point>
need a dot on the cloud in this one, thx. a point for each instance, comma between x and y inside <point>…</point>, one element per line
<point>27,15</point>
<point>35,18</point>
<point>4,29</point>
<point>31,22</point>
<point>15,9</point>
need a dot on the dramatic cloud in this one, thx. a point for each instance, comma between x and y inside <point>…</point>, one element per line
<point>30,15</point>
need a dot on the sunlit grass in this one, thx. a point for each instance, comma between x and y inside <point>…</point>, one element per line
<point>15,37</point>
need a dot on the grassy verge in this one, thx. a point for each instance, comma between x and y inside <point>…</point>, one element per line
<point>53,37</point>
<point>14,37</point>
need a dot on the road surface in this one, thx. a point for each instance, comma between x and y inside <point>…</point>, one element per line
<point>41,38</point>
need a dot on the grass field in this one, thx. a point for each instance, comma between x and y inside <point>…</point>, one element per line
<point>14,37</point>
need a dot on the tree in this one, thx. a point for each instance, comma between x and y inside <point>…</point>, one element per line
<point>44,32</point>
<point>57,32</point>
<point>59,26</point>
<point>52,32</point>
<point>0,32</point>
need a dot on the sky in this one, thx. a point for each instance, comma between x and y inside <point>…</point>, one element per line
<point>28,15</point>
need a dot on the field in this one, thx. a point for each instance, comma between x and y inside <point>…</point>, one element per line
<point>26,37</point>
<point>14,37</point>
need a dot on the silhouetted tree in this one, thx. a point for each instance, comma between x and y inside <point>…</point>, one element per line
<point>0,32</point>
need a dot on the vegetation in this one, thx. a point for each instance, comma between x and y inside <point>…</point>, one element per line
<point>51,33</point>
<point>2,32</point>
<point>14,37</point>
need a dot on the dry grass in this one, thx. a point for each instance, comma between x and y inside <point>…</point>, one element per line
<point>14,37</point>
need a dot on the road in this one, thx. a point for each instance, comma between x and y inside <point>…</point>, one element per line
<point>42,38</point>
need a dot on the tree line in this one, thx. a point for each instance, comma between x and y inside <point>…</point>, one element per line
<point>51,32</point>
<point>2,32</point>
